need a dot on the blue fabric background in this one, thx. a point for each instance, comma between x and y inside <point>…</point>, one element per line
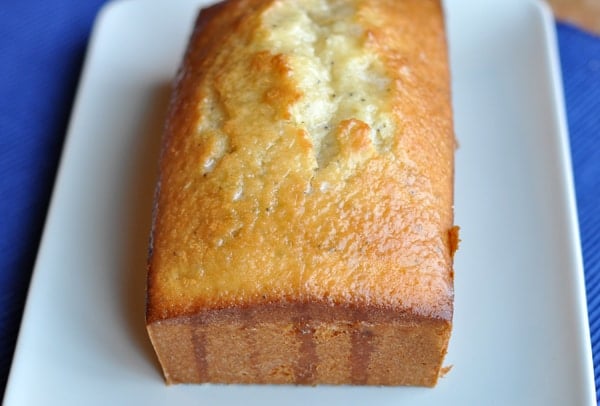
<point>42,46</point>
<point>580,62</point>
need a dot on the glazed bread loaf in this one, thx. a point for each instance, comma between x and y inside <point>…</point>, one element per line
<point>303,228</point>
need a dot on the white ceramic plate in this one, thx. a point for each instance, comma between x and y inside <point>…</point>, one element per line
<point>521,333</point>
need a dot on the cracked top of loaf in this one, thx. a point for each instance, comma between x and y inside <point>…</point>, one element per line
<point>308,158</point>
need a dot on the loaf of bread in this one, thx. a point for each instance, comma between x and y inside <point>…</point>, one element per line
<point>303,227</point>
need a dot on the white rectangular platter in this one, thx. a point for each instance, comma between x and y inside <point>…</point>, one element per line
<point>521,332</point>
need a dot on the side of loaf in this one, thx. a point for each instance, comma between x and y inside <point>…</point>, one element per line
<point>303,228</point>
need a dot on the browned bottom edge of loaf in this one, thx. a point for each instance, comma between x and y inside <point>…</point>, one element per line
<point>306,345</point>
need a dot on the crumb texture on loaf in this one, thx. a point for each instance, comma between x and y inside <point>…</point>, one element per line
<point>338,78</point>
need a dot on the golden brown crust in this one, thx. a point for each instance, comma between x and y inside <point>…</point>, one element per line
<point>301,344</point>
<point>253,214</point>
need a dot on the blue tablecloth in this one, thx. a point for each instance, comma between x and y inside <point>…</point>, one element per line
<point>580,61</point>
<point>42,46</point>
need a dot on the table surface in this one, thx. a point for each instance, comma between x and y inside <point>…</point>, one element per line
<point>42,47</point>
<point>583,13</point>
